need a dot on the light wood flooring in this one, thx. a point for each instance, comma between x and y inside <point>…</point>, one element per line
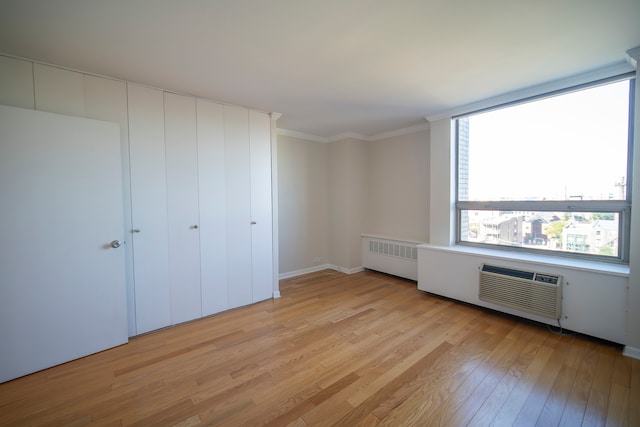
<point>359,350</point>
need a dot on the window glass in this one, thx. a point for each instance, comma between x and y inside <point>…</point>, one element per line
<point>548,175</point>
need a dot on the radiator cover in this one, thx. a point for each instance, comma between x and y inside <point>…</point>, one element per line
<point>390,255</point>
<point>529,291</point>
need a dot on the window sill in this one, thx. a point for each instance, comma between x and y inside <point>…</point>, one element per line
<point>553,261</point>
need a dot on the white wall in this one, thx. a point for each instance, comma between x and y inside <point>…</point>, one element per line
<point>399,187</point>
<point>348,189</point>
<point>303,204</point>
<point>332,193</point>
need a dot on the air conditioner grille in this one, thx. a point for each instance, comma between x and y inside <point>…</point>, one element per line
<point>536,293</point>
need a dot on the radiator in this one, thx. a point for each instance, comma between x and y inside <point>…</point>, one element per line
<point>536,293</point>
<point>391,256</point>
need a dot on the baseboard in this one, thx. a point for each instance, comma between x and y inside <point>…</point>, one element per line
<point>304,271</point>
<point>631,352</point>
<point>346,270</point>
<point>320,268</point>
<point>276,294</point>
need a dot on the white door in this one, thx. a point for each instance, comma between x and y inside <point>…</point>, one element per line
<point>261,212</point>
<point>149,208</point>
<point>238,192</point>
<point>213,212</point>
<point>182,207</point>
<point>62,284</point>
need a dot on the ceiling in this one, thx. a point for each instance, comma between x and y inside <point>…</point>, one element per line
<point>329,67</point>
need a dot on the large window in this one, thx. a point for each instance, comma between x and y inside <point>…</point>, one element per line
<point>550,174</point>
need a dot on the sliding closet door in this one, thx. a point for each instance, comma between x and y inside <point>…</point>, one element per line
<point>182,202</point>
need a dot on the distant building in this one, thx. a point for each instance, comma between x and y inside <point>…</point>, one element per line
<point>502,230</point>
<point>532,229</point>
<point>599,237</point>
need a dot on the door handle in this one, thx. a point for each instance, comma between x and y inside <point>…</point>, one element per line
<point>115,244</point>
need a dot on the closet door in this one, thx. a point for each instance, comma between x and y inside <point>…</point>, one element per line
<point>261,208</point>
<point>106,99</point>
<point>213,212</point>
<point>149,208</point>
<point>182,207</point>
<point>62,281</point>
<point>238,180</point>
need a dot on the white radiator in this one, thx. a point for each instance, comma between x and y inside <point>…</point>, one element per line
<point>391,256</point>
<point>536,293</point>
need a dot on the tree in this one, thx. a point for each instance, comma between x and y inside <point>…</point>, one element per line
<point>554,230</point>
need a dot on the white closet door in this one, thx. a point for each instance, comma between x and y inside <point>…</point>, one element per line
<point>213,212</point>
<point>62,290</point>
<point>238,179</point>
<point>261,212</point>
<point>182,202</point>
<point>106,99</point>
<point>149,208</point>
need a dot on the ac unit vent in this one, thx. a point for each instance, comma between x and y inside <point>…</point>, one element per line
<point>536,293</point>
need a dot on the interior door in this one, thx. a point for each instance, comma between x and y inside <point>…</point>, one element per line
<point>62,279</point>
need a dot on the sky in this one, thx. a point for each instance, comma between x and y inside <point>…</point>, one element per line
<point>571,145</point>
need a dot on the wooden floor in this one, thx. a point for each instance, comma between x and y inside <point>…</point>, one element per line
<point>359,350</point>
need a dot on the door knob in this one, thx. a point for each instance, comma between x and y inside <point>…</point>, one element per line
<point>195,227</point>
<point>115,244</point>
<point>135,230</point>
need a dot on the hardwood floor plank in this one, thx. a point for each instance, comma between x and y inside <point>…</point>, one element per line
<point>619,407</point>
<point>460,406</point>
<point>597,405</point>
<point>634,394</point>
<point>555,404</point>
<point>354,350</point>
<point>575,407</point>
<point>533,406</point>
<point>496,399</point>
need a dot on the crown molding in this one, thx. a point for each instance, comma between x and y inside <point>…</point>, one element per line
<point>399,132</point>
<point>302,135</point>
<point>348,135</point>
<point>575,80</point>
<point>633,56</point>
<point>275,116</point>
<point>353,135</point>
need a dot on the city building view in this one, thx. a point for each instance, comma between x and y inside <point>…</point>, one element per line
<point>588,233</point>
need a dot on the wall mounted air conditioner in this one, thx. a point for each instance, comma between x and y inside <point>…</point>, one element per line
<point>529,291</point>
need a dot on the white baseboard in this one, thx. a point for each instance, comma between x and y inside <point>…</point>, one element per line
<point>320,268</point>
<point>347,270</point>
<point>304,271</point>
<point>631,352</point>
<point>276,294</point>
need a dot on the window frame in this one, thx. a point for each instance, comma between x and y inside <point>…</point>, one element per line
<point>620,207</point>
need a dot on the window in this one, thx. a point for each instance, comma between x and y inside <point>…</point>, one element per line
<point>549,174</point>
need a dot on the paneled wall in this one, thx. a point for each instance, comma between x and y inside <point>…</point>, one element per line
<point>198,189</point>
